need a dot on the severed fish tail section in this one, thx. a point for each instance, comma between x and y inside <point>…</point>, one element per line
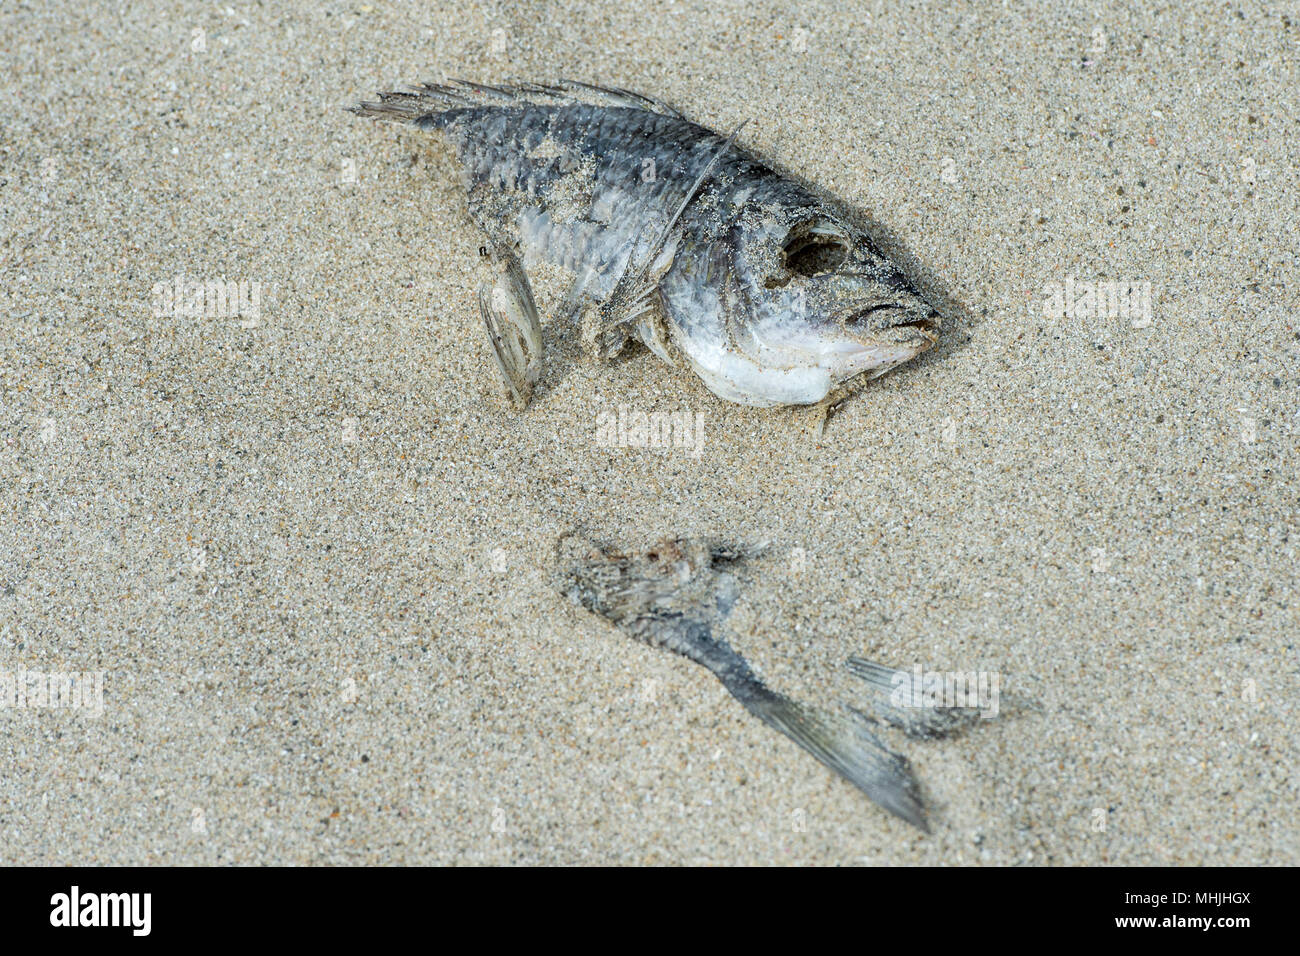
<point>676,596</point>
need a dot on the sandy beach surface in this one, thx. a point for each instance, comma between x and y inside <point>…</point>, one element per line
<point>307,544</point>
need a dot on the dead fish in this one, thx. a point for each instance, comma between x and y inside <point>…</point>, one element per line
<point>677,596</point>
<point>678,237</point>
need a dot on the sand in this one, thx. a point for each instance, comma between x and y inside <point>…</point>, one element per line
<point>308,544</point>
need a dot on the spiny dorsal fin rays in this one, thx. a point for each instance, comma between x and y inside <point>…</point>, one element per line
<point>416,99</point>
<point>404,107</point>
<point>610,95</point>
<point>467,90</point>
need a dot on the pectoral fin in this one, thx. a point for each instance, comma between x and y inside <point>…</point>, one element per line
<point>607,327</point>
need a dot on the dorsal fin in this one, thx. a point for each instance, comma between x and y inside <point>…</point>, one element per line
<point>580,92</point>
<point>417,101</point>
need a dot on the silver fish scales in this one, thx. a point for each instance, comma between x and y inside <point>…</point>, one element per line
<point>679,239</point>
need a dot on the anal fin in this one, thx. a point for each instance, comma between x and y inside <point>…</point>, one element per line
<point>513,327</point>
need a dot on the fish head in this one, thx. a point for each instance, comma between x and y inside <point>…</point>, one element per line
<point>808,303</point>
<point>821,293</point>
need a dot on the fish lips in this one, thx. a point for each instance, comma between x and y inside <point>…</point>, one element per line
<point>882,336</point>
<point>893,323</point>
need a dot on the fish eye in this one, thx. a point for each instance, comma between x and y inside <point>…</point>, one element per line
<point>814,254</point>
<point>811,249</point>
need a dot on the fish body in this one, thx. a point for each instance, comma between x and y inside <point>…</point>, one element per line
<point>679,238</point>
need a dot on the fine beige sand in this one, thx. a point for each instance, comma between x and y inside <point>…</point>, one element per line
<point>308,544</point>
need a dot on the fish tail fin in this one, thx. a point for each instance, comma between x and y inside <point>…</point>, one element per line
<point>844,743</point>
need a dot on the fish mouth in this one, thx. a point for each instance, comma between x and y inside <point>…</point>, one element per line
<point>881,337</point>
<point>896,323</point>
<point>927,325</point>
